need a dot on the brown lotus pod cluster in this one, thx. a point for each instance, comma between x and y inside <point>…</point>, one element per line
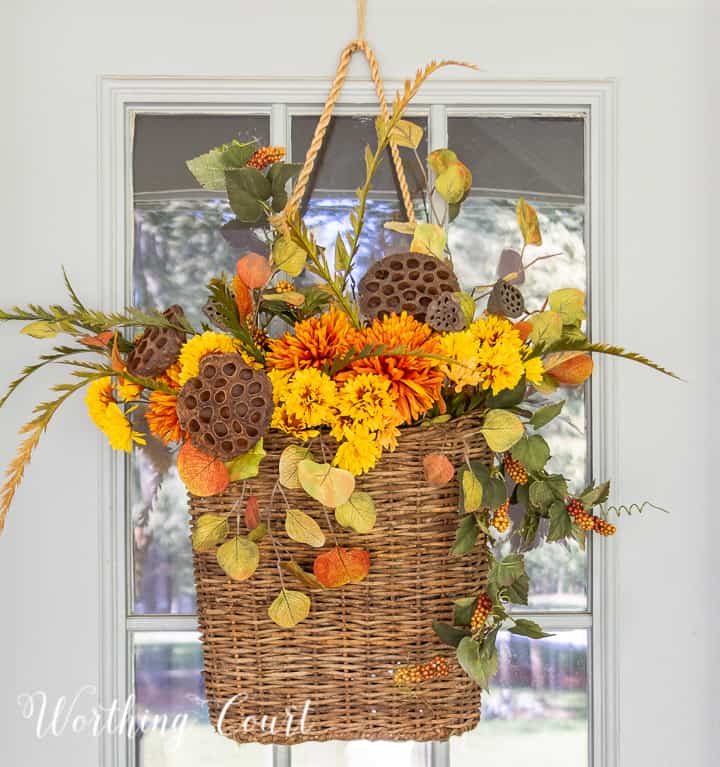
<point>157,348</point>
<point>226,409</point>
<point>214,314</point>
<point>445,314</point>
<point>506,300</point>
<point>405,282</point>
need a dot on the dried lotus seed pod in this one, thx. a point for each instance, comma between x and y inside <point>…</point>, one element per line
<point>212,311</point>
<point>226,409</point>
<point>405,282</point>
<point>506,300</point>
<point>157,348</point>
<point>445,314</point>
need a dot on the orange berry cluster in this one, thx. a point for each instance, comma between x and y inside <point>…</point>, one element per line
<point>266,155</point>
<point>603,527</point>
<point>515,470</point>
<point>484,606</point>
<point>284,286</point>
<point>588,522</point>
<point>501,519</point>
<point>259,336</point>
<point>421,672</point>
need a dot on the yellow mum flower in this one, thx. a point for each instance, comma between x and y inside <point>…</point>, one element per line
<point>534,370</point>
<point>99,395</point>
<point>311,397</point>
<point>198,347</point>
<point>493,329</point>
<point>388,435</point>
<point>119,430</point>
<point>501,366</point>
<point>367,399</point>
<point>360,452</point>
<point>289,423</point>
<point>464,347</point>
<point>280,380</point>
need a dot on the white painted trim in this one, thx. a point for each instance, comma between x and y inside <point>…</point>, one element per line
<point>121,98</point>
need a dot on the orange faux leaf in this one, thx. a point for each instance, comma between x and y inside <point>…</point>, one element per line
<point>254,270</point>
<point>99,341</point>
<point>438,469</point>
<point>568,368</point>
<point>524,328</point>
<point>117,361</point>
<point>202,474</point>
<point>243,299</point>
<point>339,566</point>
<point>252,513</point>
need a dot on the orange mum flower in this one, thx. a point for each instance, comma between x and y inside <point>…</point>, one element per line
<point>316,343</point>
<point>161,415</point>
<point>414,381</point>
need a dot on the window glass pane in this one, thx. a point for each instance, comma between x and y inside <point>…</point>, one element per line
<point>540,159</point>
<point>179,246</point>
<point>359,753</point>
<point>170,708</point>
<point>339,170</point>
<point>537,710</point>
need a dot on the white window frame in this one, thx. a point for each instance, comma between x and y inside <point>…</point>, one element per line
<point>120,99</point>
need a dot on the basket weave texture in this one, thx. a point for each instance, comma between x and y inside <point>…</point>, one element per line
<point>342,656</point>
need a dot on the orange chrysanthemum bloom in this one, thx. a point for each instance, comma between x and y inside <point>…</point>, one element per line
<point>414,381</point>
<point>317,342</point>
<point>161,415</point>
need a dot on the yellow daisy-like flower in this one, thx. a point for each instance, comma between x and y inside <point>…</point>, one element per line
<point>198,347</point>
<point>464,347</point>
<point>492,329</point>
<point>127,391</point>
<point>99,395</point>
<point>311,397</point>
<point>360,451</point>
<point>367,399</point>
<point>119,430</point>
<point>534,370</point>
<point>501,366</point>
<point>287,422</point>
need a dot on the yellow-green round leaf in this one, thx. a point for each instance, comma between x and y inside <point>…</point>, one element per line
<point>288,467</point>
<point>502,429</point>
<point>41,329</point>
<point>358,512</point>
<point>440,159</point>
<point>289,608</point>
<point>429,239</point>
<point>528,222</point>
<point>450,184</point>
<point>406,133</point>
<point>247,465</point>
<point>288,256</point>
<point>569,303</point>
<point>239,558</point>
<point>210,530</point>
<point>467,306</point>
<point>301,527</point>
<point>547,328</point>
<point>324,483</point>
<point>472,491</point>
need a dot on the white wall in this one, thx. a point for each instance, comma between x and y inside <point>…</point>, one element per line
<point>660,54</point>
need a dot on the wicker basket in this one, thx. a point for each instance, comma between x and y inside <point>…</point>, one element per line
<point>341,658</point>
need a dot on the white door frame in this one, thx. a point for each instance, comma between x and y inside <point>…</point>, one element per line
<point>121,98</point>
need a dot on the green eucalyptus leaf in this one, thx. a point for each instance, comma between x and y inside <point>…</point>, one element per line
<point>466,537</point>
<point>464,609</point>
<point>527,628</point>
<point>448,634</point>
<point>560,522</point>
<point>543,415</point>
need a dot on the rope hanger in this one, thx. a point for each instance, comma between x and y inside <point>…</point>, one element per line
<point>361,45</point>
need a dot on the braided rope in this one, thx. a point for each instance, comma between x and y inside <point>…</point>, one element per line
<point>324,120</point>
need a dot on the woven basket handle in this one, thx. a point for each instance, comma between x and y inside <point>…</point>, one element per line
<point>361,45</point>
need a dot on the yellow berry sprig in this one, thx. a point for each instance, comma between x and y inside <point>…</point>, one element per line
<point>421,672</point>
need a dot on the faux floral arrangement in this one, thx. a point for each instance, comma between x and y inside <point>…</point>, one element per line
<point>342,367</point>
